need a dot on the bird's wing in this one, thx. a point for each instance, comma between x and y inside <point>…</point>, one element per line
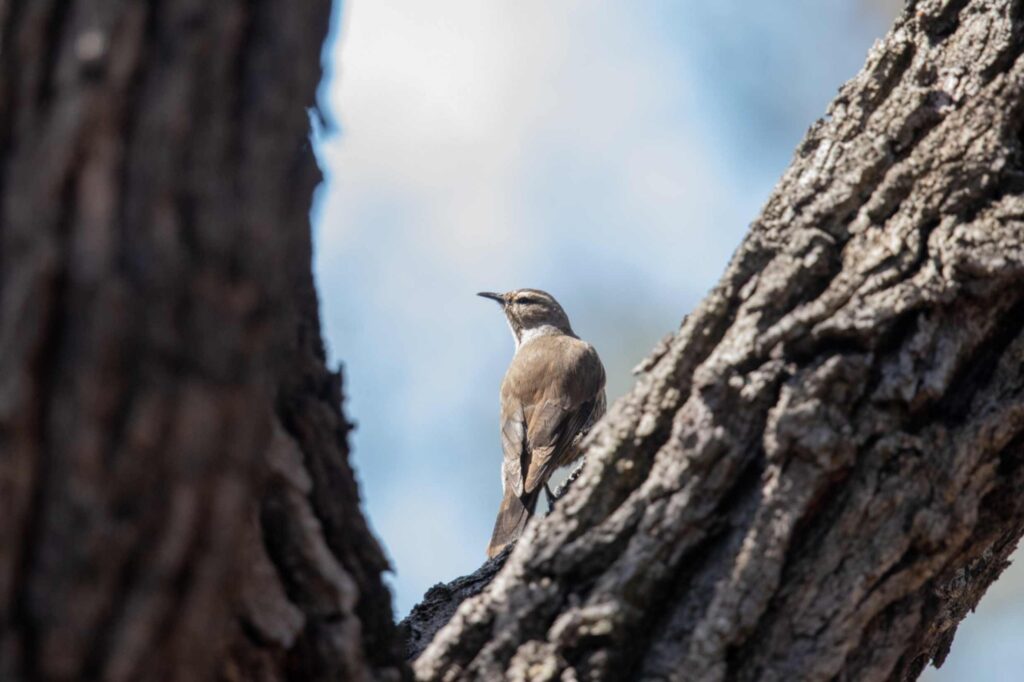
<point>557,426</point>
<point>573,392</point>
<point>513,445</point>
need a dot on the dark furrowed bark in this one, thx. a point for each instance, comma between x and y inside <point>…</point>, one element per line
<point>175,493</point>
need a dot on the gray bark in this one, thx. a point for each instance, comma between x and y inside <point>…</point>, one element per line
<point>175,496</point>
<point>821,472</point>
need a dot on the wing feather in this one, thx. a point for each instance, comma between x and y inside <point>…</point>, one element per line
<point>513,445</point>
<point>565,407</point>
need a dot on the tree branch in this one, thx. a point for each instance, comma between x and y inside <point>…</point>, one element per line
<point>820,473</point>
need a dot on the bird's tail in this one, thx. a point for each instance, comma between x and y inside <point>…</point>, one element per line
<point>513,514</point>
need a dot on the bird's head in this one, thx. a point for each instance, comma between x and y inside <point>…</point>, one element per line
<point>531,310</point>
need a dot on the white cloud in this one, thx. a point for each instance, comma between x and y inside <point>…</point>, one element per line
<point>448,107</point>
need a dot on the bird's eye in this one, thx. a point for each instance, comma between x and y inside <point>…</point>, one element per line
<point>527,300</point>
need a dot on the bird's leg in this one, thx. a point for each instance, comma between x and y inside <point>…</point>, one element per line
<point>564,488</point>
<point>551,496</point>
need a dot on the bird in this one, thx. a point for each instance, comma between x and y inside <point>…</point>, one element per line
<point>551,395</point>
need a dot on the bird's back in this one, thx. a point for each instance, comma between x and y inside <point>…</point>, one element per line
<point>554,367</point>
<point>553,391</point>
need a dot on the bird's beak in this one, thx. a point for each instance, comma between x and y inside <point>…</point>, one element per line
<point>494,297</point>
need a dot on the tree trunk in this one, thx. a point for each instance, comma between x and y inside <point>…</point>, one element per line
<point>175,496</point>
<point>819,475</point>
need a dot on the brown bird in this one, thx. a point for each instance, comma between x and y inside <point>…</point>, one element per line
<point>552,393</point>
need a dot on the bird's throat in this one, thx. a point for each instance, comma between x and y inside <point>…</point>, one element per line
<point>524,336</point>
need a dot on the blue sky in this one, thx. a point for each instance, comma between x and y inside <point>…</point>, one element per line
<point>611,153</point>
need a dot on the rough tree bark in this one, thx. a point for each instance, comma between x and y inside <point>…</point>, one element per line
<point>822,471</point>
<point>175,496</point>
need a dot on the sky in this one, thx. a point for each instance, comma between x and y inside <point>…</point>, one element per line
<point>610,153</point>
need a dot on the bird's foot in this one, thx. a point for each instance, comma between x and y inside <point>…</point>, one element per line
<point>552,497</point>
